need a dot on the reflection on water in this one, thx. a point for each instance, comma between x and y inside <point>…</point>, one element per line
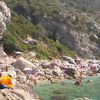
<point>68,91</point>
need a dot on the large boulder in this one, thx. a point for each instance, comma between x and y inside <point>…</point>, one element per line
<point>72,72</point>
<point>69,59</point>
<point>30,41</point>
<point>21,63</point>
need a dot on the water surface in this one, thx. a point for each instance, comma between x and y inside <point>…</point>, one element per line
<point>68,91</point>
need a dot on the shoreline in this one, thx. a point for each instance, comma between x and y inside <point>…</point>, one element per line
<point>43,82</point>
<point>69,87</point>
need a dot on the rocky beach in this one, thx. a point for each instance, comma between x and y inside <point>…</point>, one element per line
<point>29,74</point>
<point>60,77</point>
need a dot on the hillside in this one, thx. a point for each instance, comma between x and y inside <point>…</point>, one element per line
<point>61,27</point>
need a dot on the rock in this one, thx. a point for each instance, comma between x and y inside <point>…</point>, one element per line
<point>30,1</point>
<point>5,16</point>
<point>42,72</point>
<point>85,98</point>
<point>21,79</point>
<point>71,72</point>
<point>31,41</point>
<point>32,54</point>
<point>72,35</point>
<point>19,72</point>
<point>22,63</point>
<point>57,71</point>
<point>49,78</point>
<point>69,59</point>
<point>79,99</point>
<point>64,65</point>
<point>12,73</point>
<point>21,92</point>
<point>48,71</point>
<point>45,64</point>
<point>18,53</point>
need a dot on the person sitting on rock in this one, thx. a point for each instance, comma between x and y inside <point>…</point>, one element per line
<point>78,81</point>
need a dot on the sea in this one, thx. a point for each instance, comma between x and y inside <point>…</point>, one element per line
<point>67,90</point>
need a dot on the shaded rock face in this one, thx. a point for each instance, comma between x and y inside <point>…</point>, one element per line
<point>75,39</point>
<point>71,72</point>
<point>22,63</point>
<point>70,35</point>
<point>5,16</point>
<point>80,43</point>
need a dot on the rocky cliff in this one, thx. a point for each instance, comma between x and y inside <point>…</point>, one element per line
<point>5,16</point>
<point>74,23</point>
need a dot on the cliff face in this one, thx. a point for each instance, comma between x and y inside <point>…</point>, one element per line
<point>77,31</point>
<point>74,23</point>
<point>5,16</point>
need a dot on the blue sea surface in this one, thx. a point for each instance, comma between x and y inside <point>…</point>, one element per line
<point>66,90</point>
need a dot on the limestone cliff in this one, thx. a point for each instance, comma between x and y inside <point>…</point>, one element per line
<point>73,23</point>
<point>5,16</point>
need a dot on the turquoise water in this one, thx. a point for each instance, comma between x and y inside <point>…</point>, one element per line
<point>68,91</point>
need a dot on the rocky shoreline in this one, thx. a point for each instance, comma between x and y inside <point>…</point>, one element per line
<point>31,73</point>
<point>65,68</point>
